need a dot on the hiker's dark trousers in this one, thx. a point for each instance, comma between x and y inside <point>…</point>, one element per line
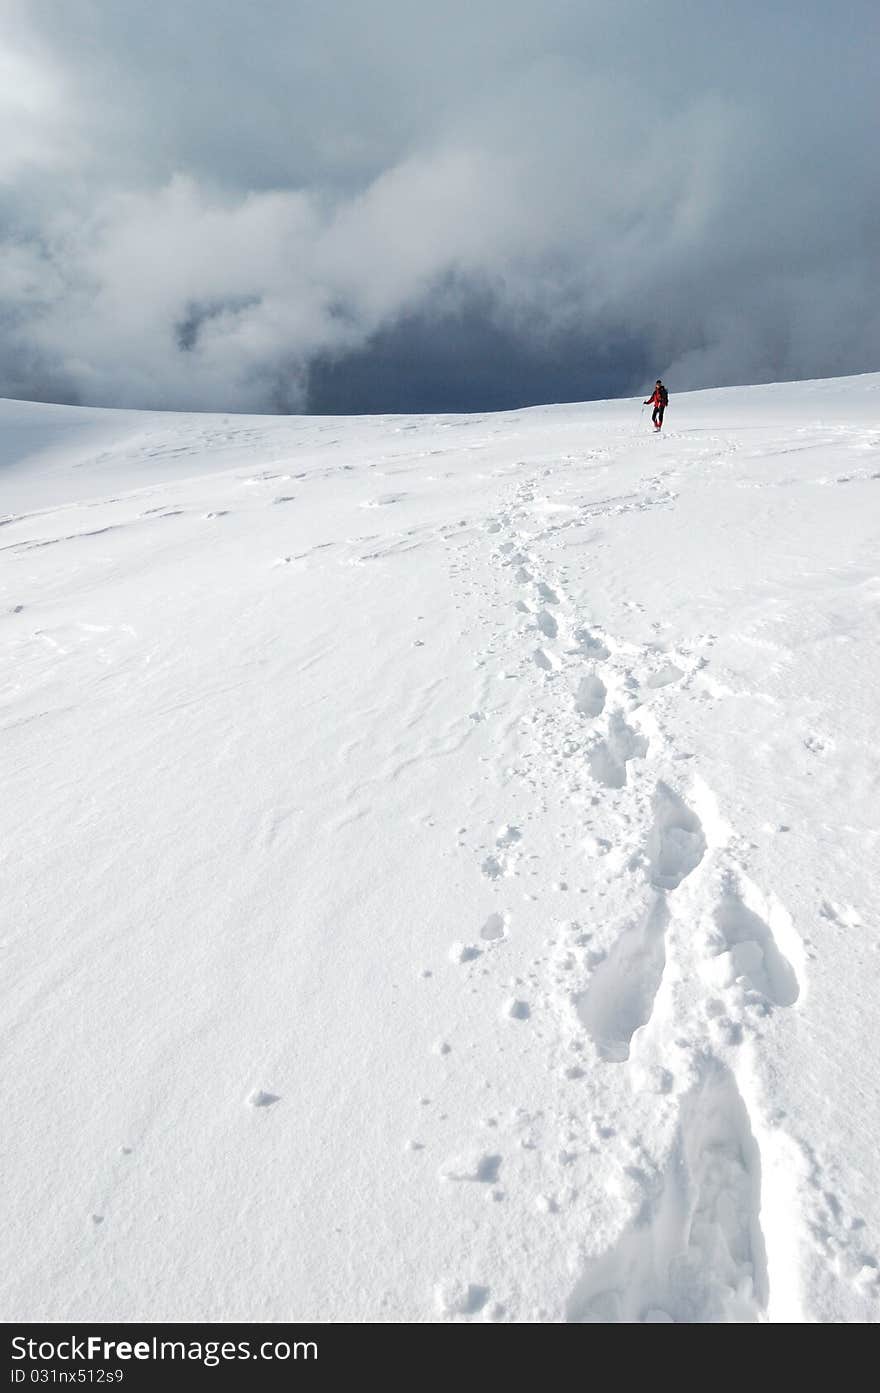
<point>657,417</point>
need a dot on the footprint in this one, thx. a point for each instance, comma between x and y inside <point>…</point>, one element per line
<point>837,913</point>
<point>676,843</point>
<point>260,1099</point>
<point>590,697</point>
<point>664,676</point>
<point>517,1009</point>
<point>752,948</point>
<point>546,593</point>
<point>695,1254</point>
<point>460,1298</point>
<point>463,953</point>
<point>588,643</point>
<point>608,759</point>
<point>508,835</point>
<point>547,624</point>
<point>620,996</point>
<point>495,927</point>
<point>478,1168</point>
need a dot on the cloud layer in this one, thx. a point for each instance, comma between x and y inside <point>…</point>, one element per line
<point>401,206</point>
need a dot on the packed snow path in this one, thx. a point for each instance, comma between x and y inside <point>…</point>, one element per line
<point>439,863</point>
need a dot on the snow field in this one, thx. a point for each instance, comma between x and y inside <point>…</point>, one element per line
<point>439,854</point>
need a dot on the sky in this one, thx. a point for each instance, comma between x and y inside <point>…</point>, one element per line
<point>402,206</point>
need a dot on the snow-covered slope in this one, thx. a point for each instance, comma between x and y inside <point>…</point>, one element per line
<point>439,863</point>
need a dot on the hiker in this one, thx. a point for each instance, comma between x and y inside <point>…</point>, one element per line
<point>661,401</point>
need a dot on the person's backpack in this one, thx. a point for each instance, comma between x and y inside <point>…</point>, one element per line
<point>664,396</point>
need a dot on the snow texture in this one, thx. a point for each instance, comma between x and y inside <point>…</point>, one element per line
<point>438,863</point>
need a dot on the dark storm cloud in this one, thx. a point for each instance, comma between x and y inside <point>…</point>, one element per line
<point>408,206</point>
